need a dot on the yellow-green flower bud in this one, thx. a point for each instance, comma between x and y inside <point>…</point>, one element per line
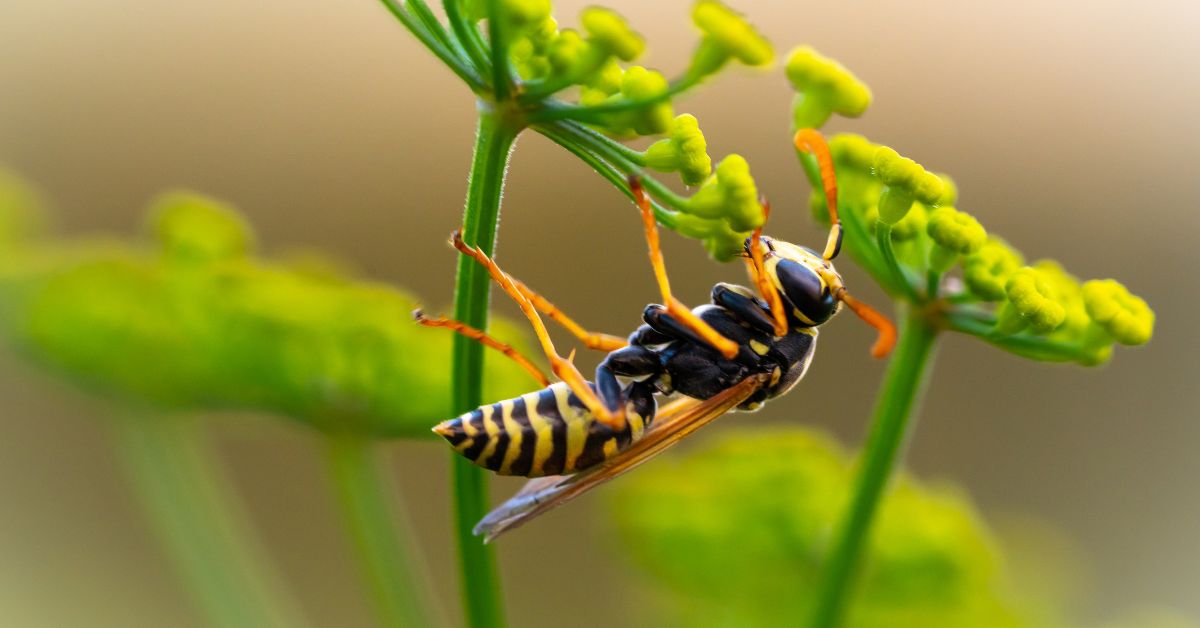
<point>195,228</point>
<point>525,14</point>
<point>684,151</point>
<point>949,190</point>
<point>567,53</point>
<point>957,231</point>
<point>912,225</point>
<point>731,195</point>
<point>638,83</point>
<point>823,87</point>
<point>954,233</point>
<point>851,150</point>
<point>986,271</point>
<point>1126,317</point>
<point>904,180</point>
<point>727,35</point>
<point>609,31</point>
<point>1030,303</point>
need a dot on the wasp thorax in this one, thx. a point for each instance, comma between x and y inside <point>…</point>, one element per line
<point>805,281</point>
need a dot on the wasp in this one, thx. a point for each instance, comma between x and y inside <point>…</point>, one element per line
<point>744,348</point>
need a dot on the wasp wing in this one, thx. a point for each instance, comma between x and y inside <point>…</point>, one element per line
<point>675,422</point>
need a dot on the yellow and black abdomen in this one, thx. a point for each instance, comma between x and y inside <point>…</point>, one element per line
<point>548,432</point>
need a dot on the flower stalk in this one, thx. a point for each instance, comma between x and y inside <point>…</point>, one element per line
<point>897,400</point>
<point>172,473</point>
<point>378,533</point>
<point>495,136</point>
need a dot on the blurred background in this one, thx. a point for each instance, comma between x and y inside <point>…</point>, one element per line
<point>1068,126</point>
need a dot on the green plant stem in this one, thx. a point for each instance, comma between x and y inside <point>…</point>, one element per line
<point>498,37</point>
<point>618,177</point>
<point>494,140</point>
<point>446,55</point>
<point>901,388</point>
<point>883,238</point>
<point>982,325</point>
<point>378,532</point>
<point>432,25</point>
<point>173,475</point>
<point>468,36</point>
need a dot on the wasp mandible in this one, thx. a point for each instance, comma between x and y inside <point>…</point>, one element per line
<point>734,353</point>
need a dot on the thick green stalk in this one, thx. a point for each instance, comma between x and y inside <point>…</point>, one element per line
<point>482,601</point>
<point>902,386</point>
<point>172,473</point>
<point>395,579</point>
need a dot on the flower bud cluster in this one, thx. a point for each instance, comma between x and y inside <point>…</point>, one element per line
<point>724,211</point>
<point>930,237</point>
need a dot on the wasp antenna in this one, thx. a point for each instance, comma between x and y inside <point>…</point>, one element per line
<point>887,330</point>
<point>811,141</point>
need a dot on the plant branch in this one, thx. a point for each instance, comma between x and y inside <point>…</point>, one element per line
<point>498,35</point>
<point>180,487</point>
<point>468,37</point>
<point>563,134</point>
<point>446,55</point>
<point>902,386</point>
<point>480,583</point>
<point>378,533</point>
<point>883,238</point>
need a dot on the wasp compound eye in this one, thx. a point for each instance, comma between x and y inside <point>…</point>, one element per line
<point>807,292</point>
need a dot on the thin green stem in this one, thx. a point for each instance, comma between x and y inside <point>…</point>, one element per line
<point>498,36</point>
<point>933,282</point>
<point>378,532</point>
<point>468,37</point>
<point>900,281</point>
<point>560,134</point>
<point>901,388</point>
<point>432,25</point>
<point>174,475</point>
<point>446,55</point>
<point>494,140</point>
<point>982,325</point>
<point>597,114</point>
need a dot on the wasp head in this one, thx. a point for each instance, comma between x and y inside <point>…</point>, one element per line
<point>807,283</point>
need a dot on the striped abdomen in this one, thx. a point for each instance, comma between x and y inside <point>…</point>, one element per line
<point>548,432</point>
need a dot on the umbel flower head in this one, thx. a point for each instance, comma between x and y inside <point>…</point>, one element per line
<point>907,226</point>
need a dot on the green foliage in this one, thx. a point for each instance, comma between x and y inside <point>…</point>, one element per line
<point>199,323</point>
<point>737,530</point>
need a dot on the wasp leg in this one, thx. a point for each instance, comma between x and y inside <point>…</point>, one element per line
<point>664,322</point>
<point>484,339</point>
<point>591,340</point>
<point>707,334</point>
<point>563,368</point>
<point>631,361</point>
<point>758,273</point>
<point>744,306</point>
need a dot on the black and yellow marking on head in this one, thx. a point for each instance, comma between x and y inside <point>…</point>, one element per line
<point>548,432</point>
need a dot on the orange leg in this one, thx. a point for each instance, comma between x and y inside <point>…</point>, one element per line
<point>755,266</point>
<point>811,141</point>
<point>675,308</point>
<point>591,340</point>
<point>563,368</point>
<point>483,339</point>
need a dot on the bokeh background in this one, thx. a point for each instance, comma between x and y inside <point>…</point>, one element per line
<point>1070,128</point>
